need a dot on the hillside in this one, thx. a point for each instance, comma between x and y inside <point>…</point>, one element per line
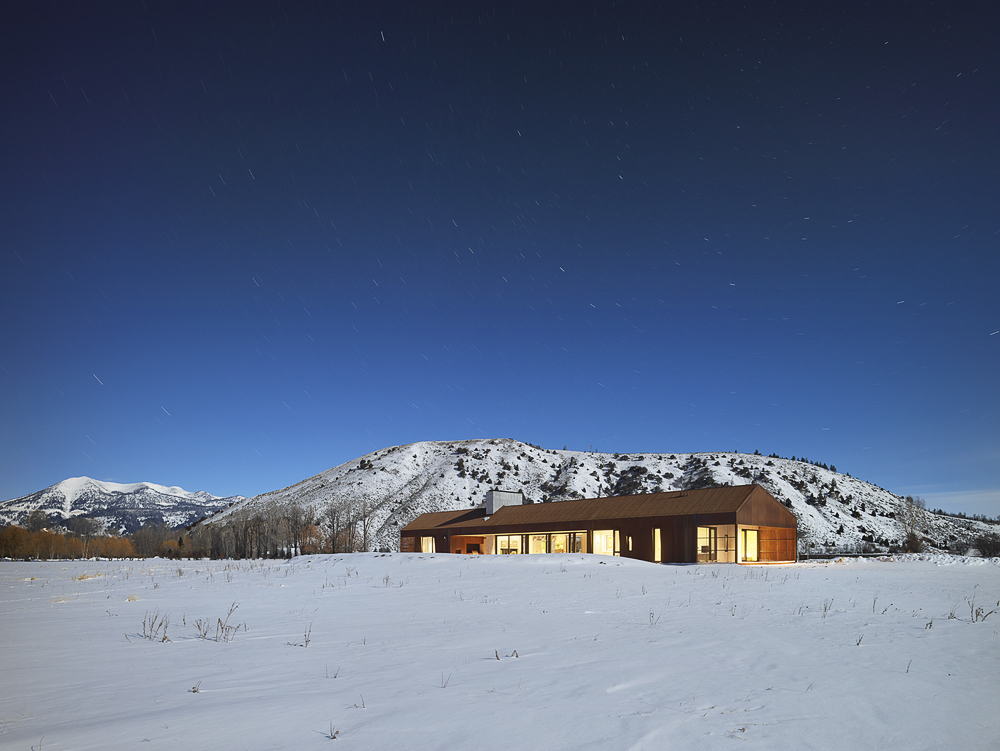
<point>835,511</point>
<point>117,507</point>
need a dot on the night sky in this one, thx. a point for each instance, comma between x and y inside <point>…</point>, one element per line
<point>241,243</point>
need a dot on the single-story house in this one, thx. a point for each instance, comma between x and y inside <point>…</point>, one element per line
<point>731,524</point>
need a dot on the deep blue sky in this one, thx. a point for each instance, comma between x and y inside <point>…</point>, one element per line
<point>241,243</point>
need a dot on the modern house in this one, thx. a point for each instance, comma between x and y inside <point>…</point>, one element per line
<point>732,524</point>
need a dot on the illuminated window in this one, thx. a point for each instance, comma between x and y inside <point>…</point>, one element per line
<point>657,550</point>
<point>537,543</point>
<point>604,541</point>
<point>508,544</point>
<point>708,546</point>
<point>426,544</point>
<point>750,545</point>
<point>559,543</point>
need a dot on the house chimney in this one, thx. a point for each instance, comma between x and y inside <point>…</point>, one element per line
<point>496,499</point>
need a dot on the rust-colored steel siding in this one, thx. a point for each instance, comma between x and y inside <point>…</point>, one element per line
<point>677,514</point>
<point>763,509</point>
<point>776,544</point>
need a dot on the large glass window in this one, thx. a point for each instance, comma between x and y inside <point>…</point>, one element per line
<point>606,542</point>
<point>557,542</point>
<point>426,544</point>
<point>508,544</point>
<point>708,546</point>
<point>560,543</point>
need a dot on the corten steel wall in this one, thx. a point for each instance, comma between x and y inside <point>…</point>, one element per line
<point>753,507</point>
<point>776,544</point>
<point>441,541</point>
<point>678,536</point>
<point>764,510</point>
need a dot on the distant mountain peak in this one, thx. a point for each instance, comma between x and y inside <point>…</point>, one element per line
<point>119,507</point>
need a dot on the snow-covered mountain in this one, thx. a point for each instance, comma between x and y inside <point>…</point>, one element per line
<point>835,511</point>
<point>115,506</point>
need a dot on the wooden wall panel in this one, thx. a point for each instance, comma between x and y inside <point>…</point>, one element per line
<point>762,509</point>
<point>776,544</point>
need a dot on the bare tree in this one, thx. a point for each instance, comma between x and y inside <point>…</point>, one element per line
<point>365,515</point>
<point>258,536</point>
<point>350,525</point>
<point>149,537</point>
<point>199,541</point>
<point>295,518</point>
<point>276,533</point>
<point>912,517</point>
<point>222,541</point>
<point>332,519</point>
<point>84,528</point>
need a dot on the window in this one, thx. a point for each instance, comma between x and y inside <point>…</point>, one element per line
<point>508,544</point>
<point>750,545</point>
<point>657,550</point>
<point>426,544</point>
<point>607,542</point>
<point>708,546</point>
<point>559,543</point>
<point>604,541</point>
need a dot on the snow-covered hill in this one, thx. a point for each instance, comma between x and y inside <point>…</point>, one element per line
<point>835,511</point>
<point>115,506</point>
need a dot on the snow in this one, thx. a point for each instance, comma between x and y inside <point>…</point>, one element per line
<point>400,651</point>
<point>74,487</point>
<point>116,506</point>
<point>402,482</point>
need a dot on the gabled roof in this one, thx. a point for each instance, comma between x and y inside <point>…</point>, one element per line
<point>678,503</point>
<point>446,519</point>
<point>724,500</point>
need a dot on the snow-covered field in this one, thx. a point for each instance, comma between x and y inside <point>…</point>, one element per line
<point>403,651</point>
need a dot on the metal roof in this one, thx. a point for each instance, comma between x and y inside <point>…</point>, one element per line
<point>722,500</point>
<point>446,518</point>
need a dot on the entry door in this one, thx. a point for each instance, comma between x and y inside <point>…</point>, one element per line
<point>749,544</point>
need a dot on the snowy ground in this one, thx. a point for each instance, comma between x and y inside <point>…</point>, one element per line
<point>400,652</point>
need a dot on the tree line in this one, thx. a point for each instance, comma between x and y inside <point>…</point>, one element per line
<point>341,527</point>
<point>23,544</point>
<point>281,532</point>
